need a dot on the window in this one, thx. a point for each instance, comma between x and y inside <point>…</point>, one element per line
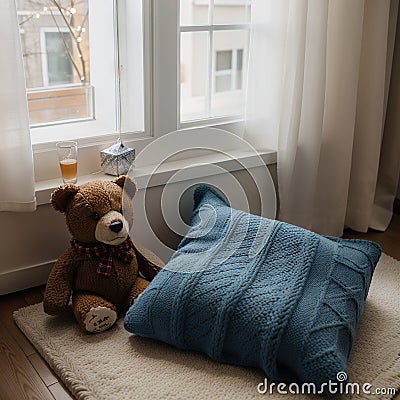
<point>228,70</point>
<point>57,67</point>
<point>141,68</point>
<point>100,62</point>
<point>71,49</point>
<point>214,36</point>
<point>56,52</point>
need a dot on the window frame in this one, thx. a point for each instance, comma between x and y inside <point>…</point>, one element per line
<point>161,60</point>
<point>208,121</point>
<point>95,134</point>
<point>103,122</point>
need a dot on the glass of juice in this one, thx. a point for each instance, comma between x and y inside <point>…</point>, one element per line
<point>67,156</point>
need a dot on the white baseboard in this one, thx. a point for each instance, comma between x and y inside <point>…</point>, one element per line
<point>24,278</point>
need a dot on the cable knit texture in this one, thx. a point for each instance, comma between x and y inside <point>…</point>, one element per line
<point>256,292</point>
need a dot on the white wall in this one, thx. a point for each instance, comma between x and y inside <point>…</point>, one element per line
<point>29,242</point>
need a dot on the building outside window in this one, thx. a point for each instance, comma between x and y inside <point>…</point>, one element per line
<point>56,65</point>
<point>55,46</point>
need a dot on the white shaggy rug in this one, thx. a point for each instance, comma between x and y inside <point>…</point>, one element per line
<point>116,365</point>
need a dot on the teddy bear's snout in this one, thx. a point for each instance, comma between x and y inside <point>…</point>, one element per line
<point>112,228</point>
<point>116,226</point>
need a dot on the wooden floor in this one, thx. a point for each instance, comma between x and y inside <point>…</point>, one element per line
<point>25,375</point>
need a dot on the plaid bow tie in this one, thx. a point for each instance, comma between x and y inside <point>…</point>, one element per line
<point>106,252</point>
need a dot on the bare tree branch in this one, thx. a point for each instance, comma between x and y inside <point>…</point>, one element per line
<point>78,45</point>
<point>26,20</point>
<point>65,20</point>
<point>58,5</point>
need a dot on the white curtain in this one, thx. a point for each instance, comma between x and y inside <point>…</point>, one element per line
<point>321,91</point>
<point>16,165</point>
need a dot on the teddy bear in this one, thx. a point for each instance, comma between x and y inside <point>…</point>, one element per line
<point>101,267</point>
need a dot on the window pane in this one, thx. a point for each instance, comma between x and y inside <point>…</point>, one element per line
<point>224,60</point>
<point>194,12</point>
<point>58,67</point>
<point>231,11</point>
<point>239,60</point>
<point>239,69</point>
<point>221,80</point>
<point>223,83</point>
<point>55,46</point>
<point>239,81</point>
<point>194,75</point>
<point>56,105</point>
<point>228,94</point>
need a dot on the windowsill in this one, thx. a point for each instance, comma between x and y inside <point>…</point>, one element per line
<point>89,146</point>
<point>43,189</point>
<point>86,133</point>
<point>48,135</point>
<point>46,158</point>
<point>161,175</point>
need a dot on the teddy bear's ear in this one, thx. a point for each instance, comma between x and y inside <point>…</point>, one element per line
<point>62,195</point>
<point>127,183</point>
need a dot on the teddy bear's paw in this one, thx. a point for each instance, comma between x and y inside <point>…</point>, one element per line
<point>99,319</point>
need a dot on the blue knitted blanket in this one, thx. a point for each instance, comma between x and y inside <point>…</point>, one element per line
<point>256,292</point>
